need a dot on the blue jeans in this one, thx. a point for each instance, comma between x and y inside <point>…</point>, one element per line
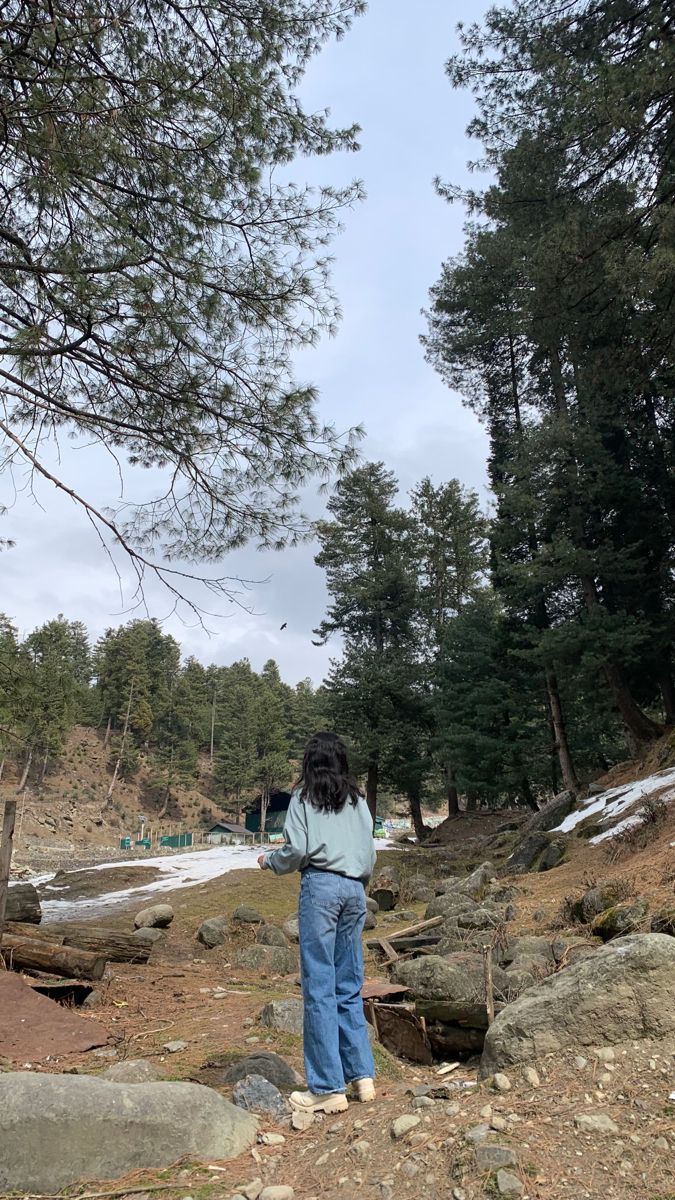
<point>332,915</point>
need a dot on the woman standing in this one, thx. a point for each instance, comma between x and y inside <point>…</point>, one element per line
<point>329,839</point>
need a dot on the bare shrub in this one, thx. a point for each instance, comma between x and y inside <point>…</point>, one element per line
<point>640,833</point>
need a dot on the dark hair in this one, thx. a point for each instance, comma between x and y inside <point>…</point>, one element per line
<point>325,779</point>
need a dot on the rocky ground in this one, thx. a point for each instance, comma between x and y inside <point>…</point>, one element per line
<point>583,1118</point>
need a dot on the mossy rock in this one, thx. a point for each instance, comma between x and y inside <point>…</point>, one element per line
<point>664,921</point>
<point>620,920</point>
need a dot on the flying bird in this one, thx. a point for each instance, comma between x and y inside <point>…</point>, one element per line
<point>284,625</point>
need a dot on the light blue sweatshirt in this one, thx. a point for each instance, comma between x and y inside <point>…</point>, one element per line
<point>341,842</point>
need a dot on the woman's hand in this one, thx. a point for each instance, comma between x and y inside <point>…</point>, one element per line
<point>261,862</point>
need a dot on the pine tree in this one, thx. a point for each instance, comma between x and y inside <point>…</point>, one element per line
<point>366,551</point>
<point>159,269</point>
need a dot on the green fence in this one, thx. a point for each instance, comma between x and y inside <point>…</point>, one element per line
<point>176,841</point>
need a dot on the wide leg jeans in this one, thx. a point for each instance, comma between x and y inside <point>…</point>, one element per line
<point>336,1044</point>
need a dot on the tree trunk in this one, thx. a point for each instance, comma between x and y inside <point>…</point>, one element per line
<point>23,904</point>
<point>667,692</point>
<point>371,788</point>
<point>641,729</point>
<point>114,946</point>
<point>123,743</point>
<point>471,801</point>
<point>24,777</point>
<point>45,762</point>
<point>416,814</point>
<point>562,747</point>
<point>386,888</point>
<point>6,842</point>
<point>213,726</point>
<point>2,767</point>
<point>453,794</point>
<point>264,805</point>
<point>526,793</point>
<point>34,955</point>
<point>106,740</point>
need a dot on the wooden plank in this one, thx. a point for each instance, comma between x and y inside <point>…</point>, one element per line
<point>489,989</point>
<point>6,857</point>
<point>391,954</point>
<point>420,927</point>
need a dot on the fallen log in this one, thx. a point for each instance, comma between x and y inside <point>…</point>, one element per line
<point>23,904</point>
<point>113,945</point>
<point>386,888</point>
<point>31,954</point>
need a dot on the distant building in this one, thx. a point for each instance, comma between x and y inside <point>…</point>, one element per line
<point>227,833</point>
<point>276,813</point>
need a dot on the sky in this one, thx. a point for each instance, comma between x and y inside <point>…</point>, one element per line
<point>388,76</point>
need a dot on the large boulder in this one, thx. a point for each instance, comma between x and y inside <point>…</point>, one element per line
<point>553,855</point>
<point>459,977</point>
<point>246,915</point>
<point>271,935</point>
<point>291,928</point>
<point>211,933</point>
<point>664,920</point>
<point>552,814</point>
<point>526,947</point>
<point>284,1015</point>
<point>527,853</point>
<point>476,884</point>
<point>595,900</point>
<point>269,960</point>
<point>56,1130</point>
<point>272,1067</point>
<point>450,904</point>
<point>157,916</point>
<point>132,1070</point>
<point>623,992</point>
<point>620,920</point>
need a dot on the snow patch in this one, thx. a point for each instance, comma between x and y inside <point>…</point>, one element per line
<point>617,800</point>
<point>177,871</point>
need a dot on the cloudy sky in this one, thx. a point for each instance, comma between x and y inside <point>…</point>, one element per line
<point>387,75</point>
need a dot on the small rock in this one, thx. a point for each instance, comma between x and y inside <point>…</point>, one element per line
<point>605,1054</point>
<point>604,1079</point>
<point>410,1169</point>
<point>595,1123</point>
<point>479,1133</point>
<point>486,1112</point>
<point>284,1192</point>
<point>272,1139</point>
<point>422,1102</point>
<point>452,1110</point>
<point>501,1082</point>
<point>360,1149</point>
<point>661,1143</point>
<point>284,1015</point>
<point>302,1120</point>
<point>251,1191</point>
<point>491,1158</point>
<point>92,1001</point>
<point>499,1123</point>
<point>458,1194</point>
<point>257,1094</point>
<point>580,1063</point>
<point>530,1076</point>
<point>174,1047</point>
<point>157,916</point>
<point>508,1184</point>
<point>403,1125</point>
